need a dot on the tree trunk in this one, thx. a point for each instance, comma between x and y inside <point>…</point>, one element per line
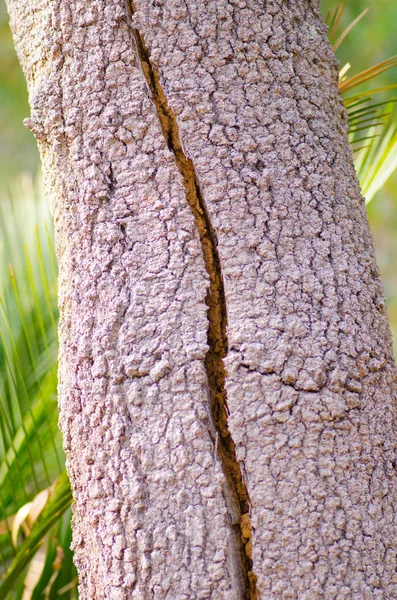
<point>227,386</point>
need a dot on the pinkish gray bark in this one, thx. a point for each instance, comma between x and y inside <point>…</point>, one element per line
<point>227,386</point>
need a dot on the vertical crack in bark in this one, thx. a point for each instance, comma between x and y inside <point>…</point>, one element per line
<point>217,317</point>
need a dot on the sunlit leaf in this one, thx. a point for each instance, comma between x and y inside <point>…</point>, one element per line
<point>59,501</point>
<point>378,162</point>
<point>355,80</point>
<point>35,570</point>
<point>343,71</point>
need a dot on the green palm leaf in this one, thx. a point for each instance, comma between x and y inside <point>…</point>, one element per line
<point>378,161</point>
<point>31,455</point>
<point>372,132</point>
<point>58,504</point>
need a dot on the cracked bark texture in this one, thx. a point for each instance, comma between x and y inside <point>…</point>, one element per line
<point>133,106</point>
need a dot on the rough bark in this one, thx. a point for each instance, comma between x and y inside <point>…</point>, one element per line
<point>227,386</point>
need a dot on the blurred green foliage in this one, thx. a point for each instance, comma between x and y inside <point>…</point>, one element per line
<point>33,536</point>
<point>18,151</point>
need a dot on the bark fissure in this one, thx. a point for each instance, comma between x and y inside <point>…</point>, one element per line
<point>217,316</point>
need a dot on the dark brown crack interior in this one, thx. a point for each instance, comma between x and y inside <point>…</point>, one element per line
<point>217,316</point>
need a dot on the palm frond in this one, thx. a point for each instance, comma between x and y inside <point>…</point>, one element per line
<point>60,498</point>
<point>359,98</point>
<point>367,74</point>
<point>31,455</point>
<point>30,445</point>
<point>372,130</point>
<point>378,161</point>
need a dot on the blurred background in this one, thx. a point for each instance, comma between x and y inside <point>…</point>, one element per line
<point>35,495</point>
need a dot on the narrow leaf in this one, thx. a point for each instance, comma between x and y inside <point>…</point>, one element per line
<point>348,29</point>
